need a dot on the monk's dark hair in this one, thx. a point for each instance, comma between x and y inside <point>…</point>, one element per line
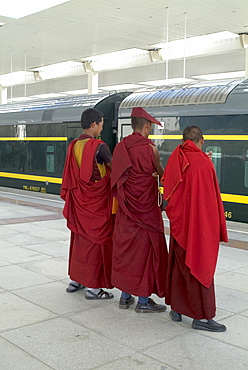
<point>192,133</point>
<point>138,123</point>
<point>89,116</point>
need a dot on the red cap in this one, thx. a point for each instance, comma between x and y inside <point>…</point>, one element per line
<point>140,112</point>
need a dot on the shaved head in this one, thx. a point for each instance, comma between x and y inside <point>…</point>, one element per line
<point>192,133</point>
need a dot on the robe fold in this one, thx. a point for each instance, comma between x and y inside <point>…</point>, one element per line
<point>87,210</point>
<point>139,248</point>
<point>197,224</point>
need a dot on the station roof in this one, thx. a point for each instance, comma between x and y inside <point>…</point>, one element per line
<point>79,31</point>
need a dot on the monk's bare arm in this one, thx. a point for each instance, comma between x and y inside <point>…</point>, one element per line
<point>159,166</point>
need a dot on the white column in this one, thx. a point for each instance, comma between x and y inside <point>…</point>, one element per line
<point>246,62</point>
<point>92,82</point>
<point>3,95</point>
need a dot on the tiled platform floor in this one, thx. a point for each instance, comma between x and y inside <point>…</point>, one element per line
<point>43,327</point>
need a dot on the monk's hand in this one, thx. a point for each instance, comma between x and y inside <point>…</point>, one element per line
<point>155,174</point>
<point>209,154</point>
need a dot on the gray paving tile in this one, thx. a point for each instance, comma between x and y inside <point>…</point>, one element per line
<point>20,254</point>
<point>52,224</point>
<point>136,361</point>
<point>221,314</point>
<point>54,297</point>
<point>193,351</point>
<point>54,268</point>
<point>23,239</point>
<point>14,277</point>
<point>242,270</point>
<point>219,271</point>
<point>13,357</point>
<point>5,243</point>
<point>3,263</point>
<point>8,213</point>
<point>230,299</point>
<point>62,344</point>
<point>244,313</point>
<point>4,229</point>
<point>137,331</point>
<point>234,253</point>
<point>236,334</point>
<point>24,227</point>
<point>228,263</point>
<point>51,248</point>
<point>16,312</point>
<point>233,280</point>
<point>50,234</point>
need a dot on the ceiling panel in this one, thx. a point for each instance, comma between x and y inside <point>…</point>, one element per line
<point>82,28</point>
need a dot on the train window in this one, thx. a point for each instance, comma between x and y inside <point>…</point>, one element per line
<point>126,130</point>
<point>216,158</point>
<point>246,168</point>
<point>50,154</point>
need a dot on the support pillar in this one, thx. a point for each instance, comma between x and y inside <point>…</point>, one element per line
<point>246,62</point>
<point>3,95</point>
<point>92,82</point>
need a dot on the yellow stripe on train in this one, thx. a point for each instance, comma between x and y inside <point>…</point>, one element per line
<point>206,137</point>
<point>20,176</point>
<point>232,198</point>
<point>62,138</point>
<point>167,137</point>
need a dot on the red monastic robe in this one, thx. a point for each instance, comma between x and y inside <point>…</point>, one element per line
<point>88,213</point>
<point>197,223</point>
<point>139,247</point>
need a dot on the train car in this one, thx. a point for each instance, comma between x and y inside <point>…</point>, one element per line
<point>221,111</point>
<point>34,137</point>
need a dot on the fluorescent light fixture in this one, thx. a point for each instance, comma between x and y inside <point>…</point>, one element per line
<point>119,59</point>
<point>219,76</point>
<point>18,9</point>
<point>169,81</point>
<point>214,43</point>
<point>211,37</point>
<point>57,70</point>
<point>120,87</point>
<point>16,78</point>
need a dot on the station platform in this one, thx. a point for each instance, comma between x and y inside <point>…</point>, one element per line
<point>43,327</point>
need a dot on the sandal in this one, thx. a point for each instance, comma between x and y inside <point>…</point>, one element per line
<point>100,295</point>
<point>74,288</point>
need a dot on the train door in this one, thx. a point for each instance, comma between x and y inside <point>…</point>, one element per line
<point>73,132</point>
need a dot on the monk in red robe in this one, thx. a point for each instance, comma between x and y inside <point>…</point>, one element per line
<point>88,209</point>
<point>139,248</point>
<point>197,223</point>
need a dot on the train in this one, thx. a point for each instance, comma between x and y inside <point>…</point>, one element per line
<point>34,136</point>
<point>221,111</point>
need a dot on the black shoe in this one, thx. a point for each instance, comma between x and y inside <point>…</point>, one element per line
<point>151,306</point>
<point>211,325</point>
<point>175,316</point>
<point>125,303</point>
